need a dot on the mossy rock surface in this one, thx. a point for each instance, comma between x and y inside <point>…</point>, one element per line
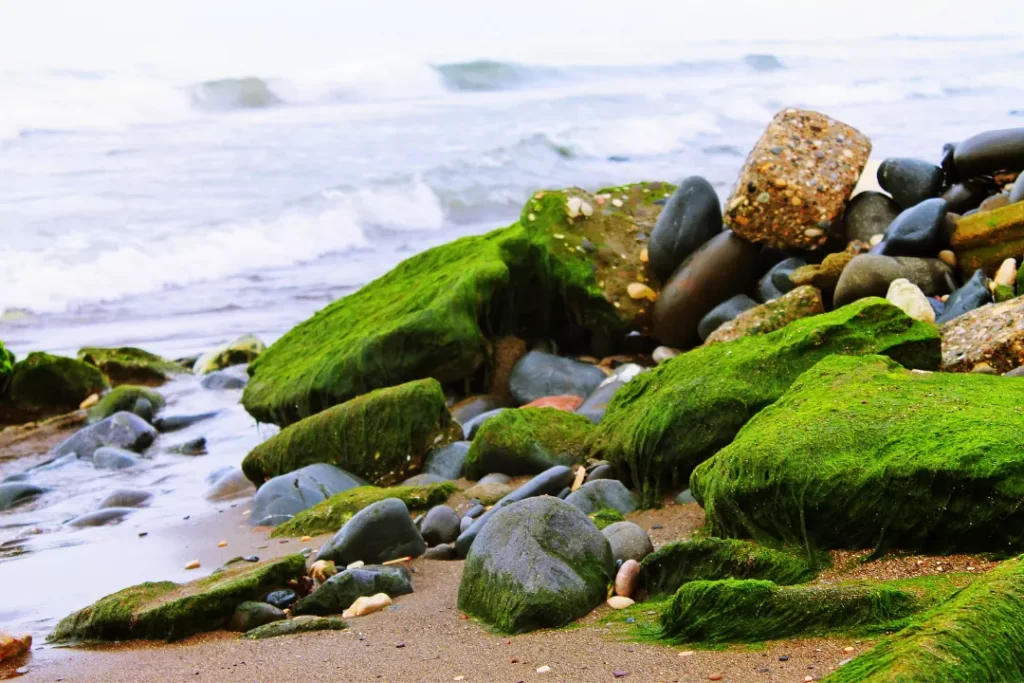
<point>674,564</point>
<point>303,624</point>
<point>6,369</point>
<point>170,611</point>
<point>736,611</point>
<point>606,517</point>
<point>124,398</point>
<point>42,385</point>
<point>129,365</point>
<point>976,635</point>
<point>528,441</point>
<point>382,437</point>
<point>861,453</point>
<point>330,515</point>
<point>665,422</point>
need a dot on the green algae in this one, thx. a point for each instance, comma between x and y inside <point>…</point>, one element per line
<point>330,515</point>
<point>130,365</point>
<point>665,422</point>
<point>303,624</point>
<point>861,453</point>
<point>606,517</point>
<point>527,441</point>
<point>42,385</point>
<point>6,369</point>
<point>382,437</point>
<point>123,398</point>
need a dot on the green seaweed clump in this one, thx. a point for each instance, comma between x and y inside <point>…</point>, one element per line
<point>6,369</point>
<point>303,624</point>
<point>527,441</point>
<point>674,564</point>
<point>129,365</point>
<point>329,515</point>
<point>665,422</point>
<point>606,517</point>
<point>861,453</point>
<point>738,611</point>
<point>170,611</point>
<point>42,385</point>
<point>382,437</point>
<point>124,398</point>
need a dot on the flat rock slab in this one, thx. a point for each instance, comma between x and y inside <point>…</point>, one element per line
<point>991,334</point>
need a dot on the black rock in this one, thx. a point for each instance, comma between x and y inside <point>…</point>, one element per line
<point>447,462</point>
<point>776,281</point>
<point>1017,191</point>
<point>918,231</point>
<point>126,498</point>
<point>910,181</point>
<point>690,218</point>
<point>219,380</point>
<point>950,175</point>
<point>281,599</point>
<point>286,495</point>
<point>143,408</point>
<point>470,428</point>
<point>15,493</point>
<point>195,446</point>
<point>991,152</point>
<point>974,294</point>
<point>723,313</point>
<point>107,458</point>
<point>628,541</point>
<point>101,517</point>
<point>174,423</point>
<point>539,374</point>
<point>869,214</point>
<point>441,525</point>
<point>339,592</point>
<point>120,430</point>
<point>379,532</point>
<point>967,196</point>
<point>601,494</point>
<point>250,615</point>
<point>870,275</point>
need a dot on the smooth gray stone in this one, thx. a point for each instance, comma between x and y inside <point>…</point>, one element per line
<point>470,428</point>
<point>15,493</point>
<point>1016,372</point>
<point>250,615</point>
<point>126,498</point>
<point>910,181</point>
<point>143,408</point>
<point>195,446</point>
<point>286,495</point>
<point>964,197</point>
<point>447,462</point>
<point>870,275</point>
<point>465,523</point>
<point>537,375</point>
<point>691,217</point>
<point>20,476</point>
<point>231,484</point>
<point>120,430</point>
<point>445,551</point>
<point>379,532</point>
<point>475,511</point>
<point>339,592</point>
<point>869,214</point>
<point>222,380</point>
<point>918,230</point>
<point>441,525</point>
<point>174,423</point>
<point>479,405</point>
<point>494,478</point>
<point>107,458</point>
<point>991,152</point>
<point>101,517</point>
<point>776,281</point>
<point>603,471</point>
<point>685,497</point>
<point>628,541</point>
<point>601,494</point>
<point>423,479</point>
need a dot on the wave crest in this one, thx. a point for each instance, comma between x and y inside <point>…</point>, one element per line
<point>234,93</point>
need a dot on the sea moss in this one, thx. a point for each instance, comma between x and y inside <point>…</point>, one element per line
<point>6,369</point>
<point>381,437</point>
<point>674,564</point>
<point>528,441</point>
<point>124,398</point>
<point>977,635</point>
<point>170,611</point>
<point>129,365</point>
<point>42,385</point>
<point>330,515</point>
<point>606,517</point>
<point>731,610</point>
<point>665,422</point>
<point>862,453</point>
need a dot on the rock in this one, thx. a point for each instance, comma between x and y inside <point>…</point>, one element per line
<point>948,257</point>
<point>540,564</point>
<point>143,408</point>
<point>802,302</point>
<point>243,350</point>
<point>174,423</point>
<point>690,218</point>
<point>107,458</point>
<point>723,313</point>
<point>911,300</point>
<point>121,430</point>
<point>441,525</point>
<point>618,602</point>
<point>126,498</point>
<point>719,270</point>
<point>382,437</point>
<point>567,403</point>
<point>1017,191</point>
<point>232,484</point>
<point>778,198</point>
<point>42,385</point>
<point>776,281</point>
<point>540,374</point>
<point>996,201</point>
<point>684,497</point>
<point>886,418</point>
<point>910,181</point>
<point>423,479</point>
<point>285,496</point>
<point>917,231</point>
<point>626,578</point>
<point>595,405</point>
<point>986,239</point>
<point>466,410</point>
<point>1007,273</point>
<point>367,605</point>
<point>103,517</point>
<point>341,590</point>
<point>445,551</point>
<point>125,398</point>
<point>129,365</point>
<point>304,624</point>
<point>281,598</point>
<point>321,570</point>
<point>974,294</point>
<point>547,483</point>
<point>471,427</point>
<point>528,441</point>
<point>870,275</point>
<point>605,517</point>
<point>649,428</point>
<point>489,492</point>
<point>1016,372</point>
<point>465,523</point>
<point>448,461</point>
<point>222,380</point>
<point>380,532</point>
<point>667,353</point>
<point>603,493</point>
<point>250,615</point>
<point>495,478</point>
<point>869,214</point>
<point>989,153</point>
<point>15,493</point>
<point>14,646</point>
<point>195,446</point>
<point>967,196</point>
<point>628,541</point>
<point>993,335</point>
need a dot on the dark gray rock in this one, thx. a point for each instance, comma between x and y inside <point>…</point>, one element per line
<point>690,218</point>
<point>126,498</point>
<point>539,374</point>
<point>445,551</point>
<point>723,313</point>
<point>685,497</point>
<point>968,195</point>
<point>195,446</point>
<point>869,214</point>
<point>910,181</point>
<point>974,294</point>
<point>447,462</point>
<point>594,406</point>
<point>379,532</point>
<point>282,599</point>
<point>1017,191</point>
<point>918,230</point>
<point>470,428</point>
<point>564,493</point>
<point>990,152</point>
<point>221,380</point>
<point>339,592</point>
<point>250,615</point>
<point>107,458</point>
<point>441,525</point>
<point>101,517</point>
<point>948,164</point>
<point>466,410</point>
<point>15,493</point>
<point>628,541</point>
<point>423,479</point>
<point>120,430</point>
<point>601,494</point>
<point>231,484</point>
<point>285,496</point>
<point>870,275</point>
<point>143,408</point>
<point>602,471</point>
<point>776,281</point>
<point>174,423</point>
<point>20,476</point>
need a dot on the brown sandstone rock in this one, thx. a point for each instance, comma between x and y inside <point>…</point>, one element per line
<point>801,302</point>
<point>992,334</point>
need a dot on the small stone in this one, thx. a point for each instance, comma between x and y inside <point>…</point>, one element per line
<point>194,564</point>
<point>644,255</point>
<point>222,544</point>
<point>848,649</point>
<point>572,206</point>
<point>813,232</point>
<point>948,257</point>
<point>619,602</point>
<point>367,605</point>
<point>875,240</point>
<point>909,298</point>
<point>586,209</point>
<point>355,565</point>
<point>1007,273</point>
<point>664,353</point>
<point>89,402</point>
<point>784,658</point>
<point>625,579</point>
<point>544,669</point>
<point>687,653</point>
<point>618,673</point>
<point>617,203</point>
<point>638,290</point>
<point>808,679</point>
<point>715,677</point>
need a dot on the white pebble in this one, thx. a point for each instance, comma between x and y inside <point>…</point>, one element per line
<point>586,209</point>
<point>572,206</point>
<point>1007,273</point>
<point>909,298</point>
<point>619,602</point>
<point>544,669</point>
<point>617,203</point>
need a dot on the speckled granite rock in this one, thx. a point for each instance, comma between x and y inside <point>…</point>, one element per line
<point>802,302</point>
<point>991,334</point>
<point>987,238</point>
<point>797,180</point>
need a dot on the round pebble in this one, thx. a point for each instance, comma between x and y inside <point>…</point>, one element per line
<point>194,564</point>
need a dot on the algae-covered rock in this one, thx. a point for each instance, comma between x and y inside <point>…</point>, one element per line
<point>123,398</point>
<point>666,421</point>
<point>861,453</point>
<point>673,564</point>
<point>537,563</point>
<point>170,611</point>
<point>802,302</point>
<point>985,239</point>
<point>976,635</point>
<point>732,610</point>
<point>120,430</point>
<point>605,517</point>
<point>603,494</point>
<point>129,365</point>
<point>381,437</point>
<point>280,499</point>
<point>528,441</point>
<point>6,369</point>
<point>42,385</point>
<point>339,592</point>
<point>303,624</point>
<point>245,349</point>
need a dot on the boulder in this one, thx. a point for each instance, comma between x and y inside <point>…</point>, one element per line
<point>870,275</point>
<point>303,624</point>
<point>243,350</point>
<point>990,334</point>
<point>42,385</point>
<point>540,563</point>
<point>910,181</point>
<point>250,615</point>
<point>339,592</point>
<point>379,532</point>
<point>690,218</point>
<point>802,302</point>
<point>723,313</point>
<point>441,525</point>
<point>540,374</point>
<point>985,239</point>
<point>286,495</point>
<point>528,441</point>
<point>447,461</point>
<point>628,541</point>
<point>120,430</point>
<point>129,365</point>
<point>15,493</point>
<point>382,437</point>
<point>601,494</point>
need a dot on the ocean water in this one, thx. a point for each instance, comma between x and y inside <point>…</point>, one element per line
<point>174,209</point>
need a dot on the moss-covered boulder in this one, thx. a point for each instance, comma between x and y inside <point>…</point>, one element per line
<point>245,349</point>
<point>861,453</point>
<point>731,610</point>
<point>976,635</point>
<point>666,421</point>
<point>605,517</point>
<point>339,592</point>
<point>42,385</point>
<point>382,437</point>
<point>987,238</point>
<point>171,611</point>
<point>124,398</point>
<point>528,441</point>
<point>129,365</point>
<point>673,564</point>
<point>303,624</point>
<point>332,514</point>
<point>6,369</point>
